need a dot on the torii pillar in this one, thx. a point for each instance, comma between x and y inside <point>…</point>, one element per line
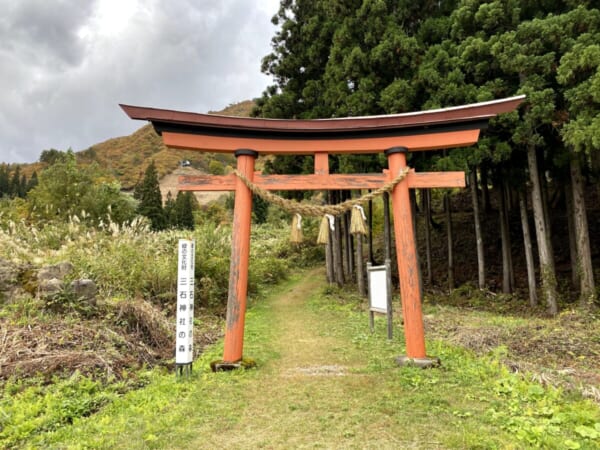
<point>393,134</point>
<point>240,258</point>
<point>408,264</point>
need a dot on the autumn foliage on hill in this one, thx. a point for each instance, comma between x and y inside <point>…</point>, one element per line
<point>127,157</point>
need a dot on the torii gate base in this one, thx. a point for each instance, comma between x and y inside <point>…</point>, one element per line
<point>428,130</point>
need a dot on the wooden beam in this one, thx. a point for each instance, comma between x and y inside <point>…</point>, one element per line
<point>322,182</point>
<point>319,182</point>
<point>308,146</point>
<point>321,163</point>
<point>417,180</point>
<point>207,182</point>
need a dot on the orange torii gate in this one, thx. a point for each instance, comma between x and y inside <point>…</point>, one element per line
<point>395,135</point>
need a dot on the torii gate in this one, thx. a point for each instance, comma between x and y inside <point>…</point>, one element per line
<point>395,135</point>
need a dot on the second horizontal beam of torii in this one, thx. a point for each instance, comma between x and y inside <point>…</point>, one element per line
<point>315,182</point>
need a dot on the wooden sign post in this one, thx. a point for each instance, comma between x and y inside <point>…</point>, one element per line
<point>184,340</point>
<point>396,135</point>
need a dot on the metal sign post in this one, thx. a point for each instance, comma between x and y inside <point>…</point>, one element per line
<point>184,341</point>
<point>380,294</point>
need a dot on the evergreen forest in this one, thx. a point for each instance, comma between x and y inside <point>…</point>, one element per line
<point>541,164</point>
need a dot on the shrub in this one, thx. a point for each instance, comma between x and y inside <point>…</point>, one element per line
<point>66,189</point>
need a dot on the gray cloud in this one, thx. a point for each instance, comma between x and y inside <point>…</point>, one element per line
<point>66,66</point>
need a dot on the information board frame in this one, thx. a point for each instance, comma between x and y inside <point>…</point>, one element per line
<point>380,294</point>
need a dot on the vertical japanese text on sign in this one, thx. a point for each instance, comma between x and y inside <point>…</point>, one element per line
<point>184,347</point>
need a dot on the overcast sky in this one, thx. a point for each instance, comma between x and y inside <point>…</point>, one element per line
<point>65,65</point>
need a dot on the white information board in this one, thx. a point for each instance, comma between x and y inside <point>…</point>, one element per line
<point>378,289</point>
<point>184,342</point>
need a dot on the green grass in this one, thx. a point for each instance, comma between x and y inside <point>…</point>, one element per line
<point>324,381</point>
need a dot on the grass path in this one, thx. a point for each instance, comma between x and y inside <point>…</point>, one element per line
<point>324,381</point>
<point>303,397</point>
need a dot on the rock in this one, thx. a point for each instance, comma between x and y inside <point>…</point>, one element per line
<point>13,277</point>
<point>9,276</point>
<point>85,289</point>
<point>50,278</point>
<point>9,273</point>
<point>48,287</point>
<point>57,271</point>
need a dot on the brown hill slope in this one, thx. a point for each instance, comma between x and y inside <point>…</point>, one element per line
<point>127,157</point>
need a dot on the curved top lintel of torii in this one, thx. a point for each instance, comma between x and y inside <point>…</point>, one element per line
<point>426,130</point>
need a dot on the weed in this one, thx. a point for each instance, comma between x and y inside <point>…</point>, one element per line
<point>66,301</point>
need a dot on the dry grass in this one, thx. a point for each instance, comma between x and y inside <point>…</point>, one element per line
<point>147,321</point>
<point>562,351</point>
<point>47,349</point>
<point>137,333</point>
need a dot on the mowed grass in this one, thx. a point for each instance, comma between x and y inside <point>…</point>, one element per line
<point>323,380</point>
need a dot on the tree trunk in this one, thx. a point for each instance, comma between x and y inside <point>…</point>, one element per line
<point>533,299</point>
<point>370,235</point>
<point>545,203</point>
<point>485,192</point>
<point>413,206</point>
<point>426,199</point>
<point>507,210</point>
<point>329,261</point>
<point>595,166</point>
<point>349,239</point>
<point>572,235</point>
<point>447,207</point>
<point>360,266</point>
<point>337,253</point>
<point>329,249</point>
<point>507,287</point>
<point>336,243</point>
<point>513,194</point>
<point>346,239</point>
<point>547,270</point>
<point>387,229</point>
<point>478,232</point>
<point>586,271</point>
<point>389,244</point>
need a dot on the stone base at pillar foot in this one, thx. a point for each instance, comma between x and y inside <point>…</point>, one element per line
<point>423,363</point>
<point>225,366</point>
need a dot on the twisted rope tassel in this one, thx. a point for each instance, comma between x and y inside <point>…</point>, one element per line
<point>296,235</point>
<point>327,223</point>
<point>358,221</point>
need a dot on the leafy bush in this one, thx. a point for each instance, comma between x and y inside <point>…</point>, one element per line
<point>66,189</point>
<point>216,167</point>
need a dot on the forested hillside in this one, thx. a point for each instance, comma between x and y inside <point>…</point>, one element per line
<point>127,157</point>
<point>353,58</point>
